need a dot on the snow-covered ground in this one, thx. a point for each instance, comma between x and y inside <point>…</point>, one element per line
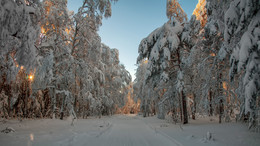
<point>128,130</point>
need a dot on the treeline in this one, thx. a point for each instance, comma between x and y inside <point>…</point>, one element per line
<point>53,64</point>
<point>208,65</point>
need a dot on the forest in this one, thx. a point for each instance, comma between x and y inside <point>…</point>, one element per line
<point>53,64</point>
<point>207,65</point>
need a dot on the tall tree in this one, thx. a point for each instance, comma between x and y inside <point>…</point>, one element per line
<point>164,52</point>
<point>19,28</point>
<point>56,25</point>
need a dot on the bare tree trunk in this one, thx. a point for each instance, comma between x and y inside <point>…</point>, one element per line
<point>221,109</point>
<point>221,106</point>
<point>210,103</point>
<point>62,108</point>
<point>183,98</point>
<point>24,97</point>
<point>53,102</point>
<point>194,106</point>
<point>75,94</point>
<point>180,107</point>
<point>184,107</point>
<point>9,98</point>
<point>145,108</point>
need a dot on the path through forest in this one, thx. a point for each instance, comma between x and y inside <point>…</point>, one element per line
<point>118,130</point>
<point>125,130</point>
<point>131,131</point>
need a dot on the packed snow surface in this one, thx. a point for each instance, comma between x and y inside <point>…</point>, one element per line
<point>126,130</point>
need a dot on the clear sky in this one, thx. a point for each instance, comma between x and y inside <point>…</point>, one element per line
<point>131,21</point>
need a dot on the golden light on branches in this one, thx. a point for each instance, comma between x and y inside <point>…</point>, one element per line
<point>201,12</point>
<point>31,77</point>
<point>175,11</point>
<point>131,107</point>
<point>67,30</point>
<point>213,54</point>
<point>224,85</point>
<point>53,10</point>
<point>47,6</point>
<point>43,31</point>
<point>145,61</point>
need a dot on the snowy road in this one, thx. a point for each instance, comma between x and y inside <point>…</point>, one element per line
<point>131,131</point>
<point>118,130</point>
<point>125,130</point>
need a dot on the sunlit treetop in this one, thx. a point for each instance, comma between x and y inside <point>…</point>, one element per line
<point>95,10</point>
<point>201,12</point>
<point>54,10</point>
<point>175,11</point>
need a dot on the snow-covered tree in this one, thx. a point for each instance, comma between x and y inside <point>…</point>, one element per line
<point>117,77</point>
<point>164,52</point>
<point>55,62</point>
<point>167,50</point>
<point>88,20</point>
<point>75,74</point>
<point>241,36</point>
<point>87,50</point>
<point>175,11</point>
<point>190,40</point>
<point>19,28</point>
<point>139,82</point>
<point>201,12</point>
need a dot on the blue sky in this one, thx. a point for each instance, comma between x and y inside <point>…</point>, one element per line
<point>131,21</point>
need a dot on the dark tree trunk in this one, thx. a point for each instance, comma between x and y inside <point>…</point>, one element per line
<point>184,107</point>
<point>221,105</point>
<point>62,107</point>
<point>25,98</point>
<point>61,115</point>
<point>183,98</point>
<point>221,109</point>
<point>181,108</point>
<point>194,106</point>
<point>9,98</point>
<point>210,104</point>
<point>54,102</point>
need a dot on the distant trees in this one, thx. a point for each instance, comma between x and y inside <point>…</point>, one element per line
<point>139,84</point>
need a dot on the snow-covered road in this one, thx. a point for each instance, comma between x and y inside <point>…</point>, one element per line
<point>125,130</point>
<point>131,131</point>
<point>118,130</point>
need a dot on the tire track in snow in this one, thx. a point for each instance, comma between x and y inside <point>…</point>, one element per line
<point>163,134</point>
<point>105,131</point>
